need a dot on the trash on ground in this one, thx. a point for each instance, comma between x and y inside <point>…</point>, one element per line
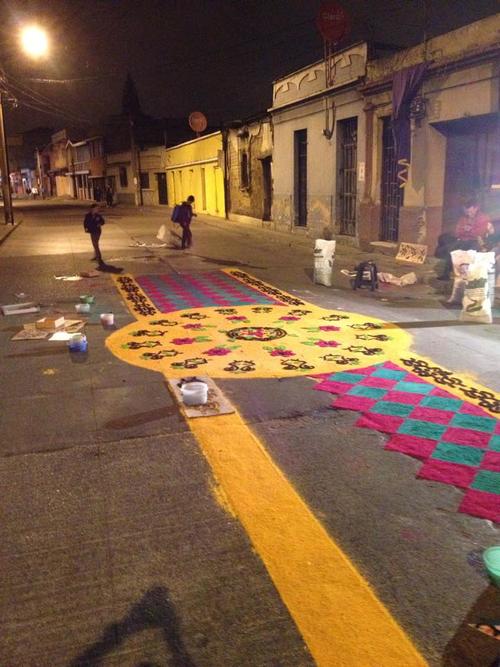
<point>68,278</point>
<point>162,233</point>
<point>406,279</point>
<point>61,335</point>
<point>20,308</point>
<point>324,254</point>
<point>415,253</point>
<point>51,322</point>
<point>82,307</point>
<point>20,295</point>
<point>490,628</point>
<point>216,404</point>
<point>87,298</point>
<point>143,244</point>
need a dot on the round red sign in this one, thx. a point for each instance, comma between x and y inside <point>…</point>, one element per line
<point>197,121</point>
<point>333,21</point>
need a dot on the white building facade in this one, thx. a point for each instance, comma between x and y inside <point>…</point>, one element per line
<point>318,162</point>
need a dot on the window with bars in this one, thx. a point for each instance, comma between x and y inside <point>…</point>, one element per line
<point>391,194</point>
<point>348,174</point>
<point>144,178</point>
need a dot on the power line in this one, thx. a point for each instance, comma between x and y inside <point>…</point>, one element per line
<point>42,102</point>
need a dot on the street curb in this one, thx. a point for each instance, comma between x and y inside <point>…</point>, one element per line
<point>4,235</point>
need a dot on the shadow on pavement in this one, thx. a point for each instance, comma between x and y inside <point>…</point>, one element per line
<point>154,610</point>
<point>141,418</point>
<point>227,262</point>
<point>109,268</point>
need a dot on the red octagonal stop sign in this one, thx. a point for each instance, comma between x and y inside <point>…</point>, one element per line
<point>333,21</point>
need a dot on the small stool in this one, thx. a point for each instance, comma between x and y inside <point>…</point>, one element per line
<point>366,276</point>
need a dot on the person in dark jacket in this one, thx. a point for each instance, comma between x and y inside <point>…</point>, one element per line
<point>92,224</point>
<point>185,221</point>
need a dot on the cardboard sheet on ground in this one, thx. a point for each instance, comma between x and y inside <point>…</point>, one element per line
<point>217,403</point>
<point>30,332</point>
<point>20,308</point>
<point>415,253</point>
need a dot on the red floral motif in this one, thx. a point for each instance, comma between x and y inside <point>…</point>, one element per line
<point>192,326</point>
<point>217,351</point>
<point>327,343</point>
<point>329,328</point>
<point>289,318</point>
<point>282,353</point>
<point>183,341</point>
<point>237,318</point>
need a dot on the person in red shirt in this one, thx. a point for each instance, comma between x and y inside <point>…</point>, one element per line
<point>471,232</point>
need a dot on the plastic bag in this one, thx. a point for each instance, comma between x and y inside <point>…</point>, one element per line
<point>476,304</point>
<point>461,260</point>
<point>162,233</point>
<point>324,254</point>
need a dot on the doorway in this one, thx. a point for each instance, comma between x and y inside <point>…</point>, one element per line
<point>391,194</point>
<point>267,188</point>
<point>161,178</point>
<point>472,165</point>
<point>300,177</point>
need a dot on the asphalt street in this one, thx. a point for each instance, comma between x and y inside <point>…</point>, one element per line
<point>116,544</point>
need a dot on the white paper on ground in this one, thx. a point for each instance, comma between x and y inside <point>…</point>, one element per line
<point>61,336</point>
<point>406,279</point>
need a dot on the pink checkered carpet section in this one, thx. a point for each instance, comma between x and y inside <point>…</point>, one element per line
<point>172,292</point>
<point>458,442</point>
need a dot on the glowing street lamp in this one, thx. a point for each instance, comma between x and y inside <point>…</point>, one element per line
<point>34,41</point>
<point>35,44</point>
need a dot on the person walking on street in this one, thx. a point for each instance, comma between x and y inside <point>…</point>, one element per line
<point>92,224</point>
<point>186,216</point>
<point>109,196</point>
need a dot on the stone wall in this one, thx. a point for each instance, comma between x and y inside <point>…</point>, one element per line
<point>256,140</point>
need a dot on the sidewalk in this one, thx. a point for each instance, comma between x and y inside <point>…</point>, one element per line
<point>346,256</point>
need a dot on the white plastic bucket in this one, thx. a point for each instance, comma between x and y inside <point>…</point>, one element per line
<point>194,393</point>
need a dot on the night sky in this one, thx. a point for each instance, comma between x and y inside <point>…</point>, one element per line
<point>218,56</point>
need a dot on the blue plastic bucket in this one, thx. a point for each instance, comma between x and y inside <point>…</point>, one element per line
<point>491,557</point>
<point>78,343</point>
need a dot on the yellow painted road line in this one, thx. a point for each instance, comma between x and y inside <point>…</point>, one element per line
<point>342,621</point>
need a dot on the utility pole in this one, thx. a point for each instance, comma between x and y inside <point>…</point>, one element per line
<point>8,210</point>
<point>40,173</point>
<point>135,162</point>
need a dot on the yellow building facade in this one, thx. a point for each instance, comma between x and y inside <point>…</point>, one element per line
<point>196,168</point>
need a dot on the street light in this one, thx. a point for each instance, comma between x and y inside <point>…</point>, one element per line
<point>35,44</point>
<point>34,41</point>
